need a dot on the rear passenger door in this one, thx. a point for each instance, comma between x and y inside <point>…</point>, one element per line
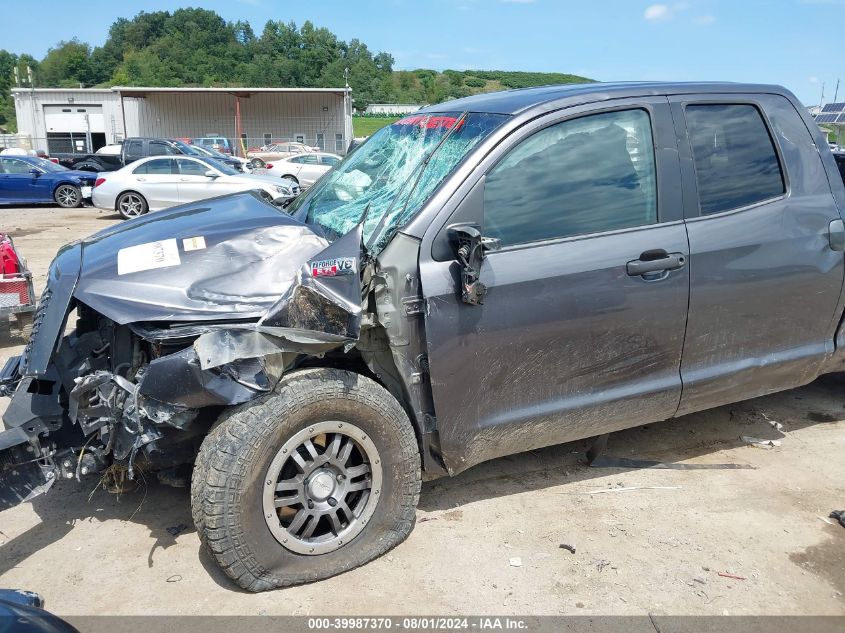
<point>582,327</point>
<point>764,280</point>
<point>158,181</point>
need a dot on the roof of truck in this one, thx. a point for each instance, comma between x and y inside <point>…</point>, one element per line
<point>517,101</point>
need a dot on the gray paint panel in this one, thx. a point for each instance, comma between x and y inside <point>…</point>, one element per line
<point>765,285</point>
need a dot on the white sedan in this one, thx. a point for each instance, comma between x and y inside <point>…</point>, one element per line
<point>304,169</point>
<point>159,182</point>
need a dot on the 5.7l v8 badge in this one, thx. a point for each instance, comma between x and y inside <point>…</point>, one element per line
<point>333,267</point>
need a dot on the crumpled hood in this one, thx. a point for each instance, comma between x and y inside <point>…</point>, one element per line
<point>225,258</point>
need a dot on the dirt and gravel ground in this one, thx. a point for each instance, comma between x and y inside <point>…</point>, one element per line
<point>488,541</point>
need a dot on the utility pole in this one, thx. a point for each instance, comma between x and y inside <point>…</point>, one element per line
<point>836,92</point>
<point>821,101</point>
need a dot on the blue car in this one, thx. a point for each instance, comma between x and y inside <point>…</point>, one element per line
<point>29,180</point>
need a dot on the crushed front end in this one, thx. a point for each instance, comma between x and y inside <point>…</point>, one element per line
<point>144,332</point>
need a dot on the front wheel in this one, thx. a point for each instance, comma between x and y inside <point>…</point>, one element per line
<point>257,163</point>
<point>315,479</point>
<point>131,205</point>
<point>68,196</point>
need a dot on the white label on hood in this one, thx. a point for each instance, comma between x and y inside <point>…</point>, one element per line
<point>147,257</point>
<point>193,243</point>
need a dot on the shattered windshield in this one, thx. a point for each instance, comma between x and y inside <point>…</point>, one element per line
<point>392,174</point>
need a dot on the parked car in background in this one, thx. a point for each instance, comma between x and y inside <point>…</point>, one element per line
<point>261,156</point>
<point>217,143</point>
<point>30,179</point>
<point>132,149</point>
<point>155,183</point>
<point>245,165</point>
<point>305,169</point>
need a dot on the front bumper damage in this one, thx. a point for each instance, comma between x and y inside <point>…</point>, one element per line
<point>155,355</point>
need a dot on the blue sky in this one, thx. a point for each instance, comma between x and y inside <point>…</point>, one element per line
<point>791,42</point>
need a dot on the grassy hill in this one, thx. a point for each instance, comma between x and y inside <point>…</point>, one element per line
<point>429,86</point>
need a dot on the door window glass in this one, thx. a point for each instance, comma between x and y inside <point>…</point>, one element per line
<point>13,166</point>
<point>157,148</point>
<point>735,159</point>
<point>192,168</point>
<point>586,175</point>
<point>330,160</point>
<point>134,150</point>
<point>158,166</point>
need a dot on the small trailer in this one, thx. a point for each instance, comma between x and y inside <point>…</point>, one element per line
<point>17,295</point>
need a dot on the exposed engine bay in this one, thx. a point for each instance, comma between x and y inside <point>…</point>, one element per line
<point>204,321</point>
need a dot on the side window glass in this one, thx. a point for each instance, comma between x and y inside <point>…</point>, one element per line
<point>309,159</point>
<point>157,148</point>
<point>133,150</point>
<point>192,168</point>
<point>587,175</point>
<point>12,166</point>
<point>160,166</point>
<point>735,159</point>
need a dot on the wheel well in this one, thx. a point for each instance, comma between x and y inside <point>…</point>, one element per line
<point>354,361</point>
<point>92,167</point>
<point>294,178</point>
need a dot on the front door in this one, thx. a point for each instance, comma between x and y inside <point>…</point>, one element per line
<point>19,184</point>
<point>582,327</point>
<point>764,281</point>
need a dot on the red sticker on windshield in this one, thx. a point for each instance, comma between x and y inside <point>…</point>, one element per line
<point>428,121</point>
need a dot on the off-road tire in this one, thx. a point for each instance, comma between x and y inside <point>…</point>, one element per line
<point>228,478</point>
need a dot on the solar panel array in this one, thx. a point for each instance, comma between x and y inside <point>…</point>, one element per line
<point>839,107</point>
<point>830,118</point>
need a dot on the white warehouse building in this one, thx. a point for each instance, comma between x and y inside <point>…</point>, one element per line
<point>83,120</point>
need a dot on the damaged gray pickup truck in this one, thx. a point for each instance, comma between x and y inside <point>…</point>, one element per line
<point>487,276</point>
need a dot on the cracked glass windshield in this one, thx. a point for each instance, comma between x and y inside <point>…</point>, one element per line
<point>392,174</point>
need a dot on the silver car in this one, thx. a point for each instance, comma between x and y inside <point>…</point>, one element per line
<point>158,182</point>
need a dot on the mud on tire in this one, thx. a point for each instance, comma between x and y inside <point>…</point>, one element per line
<point>229,477</point>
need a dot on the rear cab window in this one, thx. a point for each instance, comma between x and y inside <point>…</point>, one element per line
<point>736,164</point>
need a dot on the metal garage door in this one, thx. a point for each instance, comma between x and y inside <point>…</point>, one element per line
<point>74,128</point>
<point>74,118</point>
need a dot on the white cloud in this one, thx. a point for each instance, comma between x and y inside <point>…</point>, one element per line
<point>657,12</point>
<point>704,20</point>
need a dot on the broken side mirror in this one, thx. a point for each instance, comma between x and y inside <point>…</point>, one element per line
<point>470,246</point>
